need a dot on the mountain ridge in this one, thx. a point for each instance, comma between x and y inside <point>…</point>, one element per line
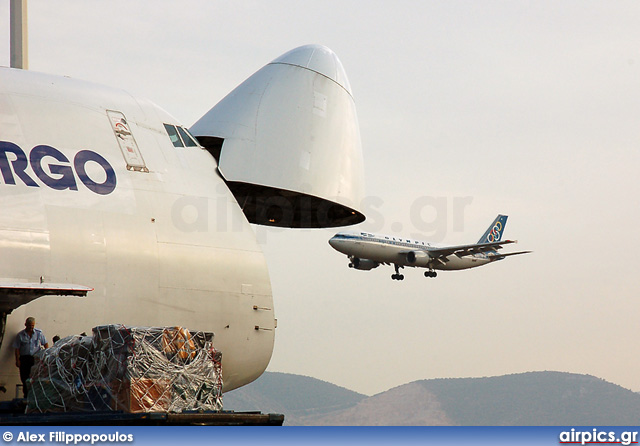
<point>530,398</point>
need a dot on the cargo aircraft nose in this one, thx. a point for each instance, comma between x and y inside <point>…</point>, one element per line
<point>297,113</point>
<point>320,59</point>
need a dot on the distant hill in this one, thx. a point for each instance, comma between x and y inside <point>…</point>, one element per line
<point>536,398</point>
<point>295,396</point>
<point>529,399</point>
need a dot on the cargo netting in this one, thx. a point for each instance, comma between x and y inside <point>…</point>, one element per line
<point>131,369</point>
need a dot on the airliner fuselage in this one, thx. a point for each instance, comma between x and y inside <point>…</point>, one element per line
<point>367,251</point>
<point>389,249</point>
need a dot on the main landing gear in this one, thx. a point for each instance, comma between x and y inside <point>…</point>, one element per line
<point>430,273</point>
<point>397,275</point>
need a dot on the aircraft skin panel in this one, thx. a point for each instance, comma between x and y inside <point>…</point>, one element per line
<point>319,59</point>
<point>8,119</point>
<point>167,247</point>
<point>270,130</point>
<point>13,243</point>
<point>456,263</point>
<point>209,269</point>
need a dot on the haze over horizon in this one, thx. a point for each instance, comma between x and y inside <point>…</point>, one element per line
<point>466,110</point>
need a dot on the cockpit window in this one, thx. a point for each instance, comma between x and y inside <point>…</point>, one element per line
<point>173,135</point>
<point>186,137</point>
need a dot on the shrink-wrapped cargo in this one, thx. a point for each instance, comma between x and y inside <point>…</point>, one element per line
<point>130,369</point>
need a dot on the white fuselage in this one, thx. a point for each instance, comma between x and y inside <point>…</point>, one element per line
<point>394,250</point>
<point>161,245</point>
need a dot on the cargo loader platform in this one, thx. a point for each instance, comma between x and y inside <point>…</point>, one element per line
<point>12,414</point>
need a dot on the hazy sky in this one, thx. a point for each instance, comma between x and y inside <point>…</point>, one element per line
<point>467,109</point>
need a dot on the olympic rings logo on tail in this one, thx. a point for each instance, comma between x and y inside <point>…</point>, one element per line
<point>494,234</point>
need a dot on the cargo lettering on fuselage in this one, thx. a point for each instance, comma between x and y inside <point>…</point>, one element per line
<point>61,174</point>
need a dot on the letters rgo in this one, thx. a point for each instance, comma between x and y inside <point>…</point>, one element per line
<point>61,172</point>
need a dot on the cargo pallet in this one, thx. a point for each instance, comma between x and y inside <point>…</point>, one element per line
<point>12,414</point>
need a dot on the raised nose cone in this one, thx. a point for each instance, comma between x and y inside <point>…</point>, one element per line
<point>288,143</point>
<point>320,59</point>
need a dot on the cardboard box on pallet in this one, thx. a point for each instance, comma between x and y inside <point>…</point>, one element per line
<point>142,395</point>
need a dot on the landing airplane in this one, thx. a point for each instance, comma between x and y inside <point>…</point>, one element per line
<point>107,196</point>
<point>367,251</point>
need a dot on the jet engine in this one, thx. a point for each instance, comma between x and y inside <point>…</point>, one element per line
<point>418,258</point>
<point>363,264</point>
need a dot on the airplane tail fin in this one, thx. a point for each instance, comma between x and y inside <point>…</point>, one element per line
<point>495,230</point>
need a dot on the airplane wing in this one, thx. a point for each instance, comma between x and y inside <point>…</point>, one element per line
<point>13,295</point>
<point>502,256</point>
<point>467,250</point>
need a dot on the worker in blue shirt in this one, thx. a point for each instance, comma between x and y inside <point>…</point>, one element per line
<point>27,343</point>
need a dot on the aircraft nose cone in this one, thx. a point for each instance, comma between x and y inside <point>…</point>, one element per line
<point>320,59</point>
<point>335,242</point>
